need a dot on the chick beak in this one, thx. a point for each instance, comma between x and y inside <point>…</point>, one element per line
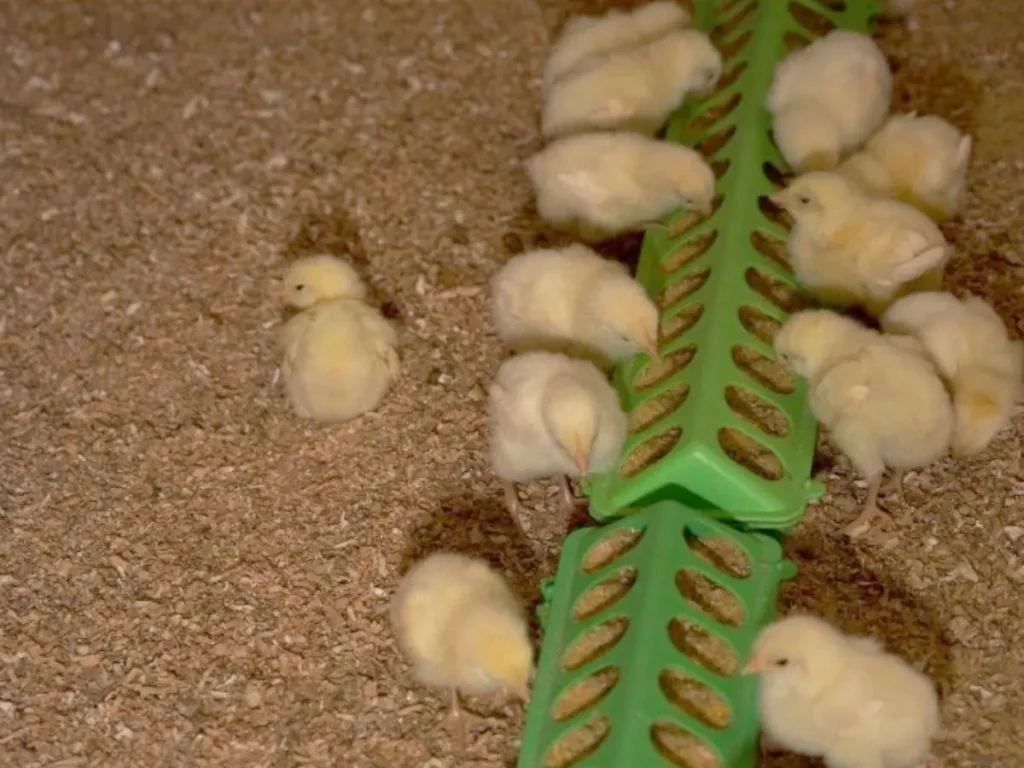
<point>753,667</point>
<point>650,348</point>
<point>705,209</point>
<point>522,692</point>
<point>581,456</point>
<point>780,199</point>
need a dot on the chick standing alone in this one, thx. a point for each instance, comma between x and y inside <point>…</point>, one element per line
<point>851,249</point>
<point>552,415</point>
<point>603,184</point>
<point>882,402</point>
<point>464,629</point>
<point>825,694</point>
<point>969,344</point>
<point>339,352</point>
<point>573,299</point>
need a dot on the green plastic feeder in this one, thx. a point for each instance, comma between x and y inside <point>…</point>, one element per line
<point>719,424</point>
<point>650,620</point>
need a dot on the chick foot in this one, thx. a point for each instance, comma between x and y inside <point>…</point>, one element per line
<point>456,722</point>
<point>569,500</point>
<point>870,512</point>
<point>515,507</point>
<point>895,484</point>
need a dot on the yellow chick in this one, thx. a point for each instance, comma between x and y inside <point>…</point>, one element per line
<point>852,249</point>
<point>573,299</point>
<point>969,344</point>
<point>635,88</point>
<point>883,404</point>
<point>845,699</point>
<point>921,160</point>
<point>585,37</point>
<point>603,184</point>
<point>552,415</point>
<point>463,629</point>
<point>339,352</point>
<point>828,98</point>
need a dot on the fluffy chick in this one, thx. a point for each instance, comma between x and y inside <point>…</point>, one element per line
<point>603,184</point>
<point>339,353</point>
<point>851,249</point>
<point>882,403</point>
<point>828,98</point>
<point>586,37</point>
<point>464,629</point>
<point>634,89</point>
<point>845,699</point>
<point>573,299</point>
<point>969,344</point>
<point>552,415</point>
<point>921,160</point>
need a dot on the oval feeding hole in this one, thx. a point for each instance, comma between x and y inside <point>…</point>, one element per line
<point>774,213</point>
<point>594,643</point>
<point>688,219</point>
<point>688,251</point>
<point>667,367</point>
<point>729,79</point>
<point>720,167</point>
<point>707,596</point>
<point>680,289</point>
<point>719,552</point>
<point>678,323</point>
<point>759,325</point>
<point>811,20</point>
<point>610,548</point>
<point>714,143</point>
<point>650,451</point>
<point>584,694</point>
<point>604,594</point>
<point>727,27</point>
<point>654,410</point>
<point>781,294</point>
<point>733,48</point>
<point>681,748</point>
<point>772,249</point>
<point>722,7</point>
<point>776,176</point>
<point>750,454</point>
<point>696,643</point>
<point>713,114</point>
<point>578,744</point>
<point>755,410</point>
<point>770,374</point>
<point>793,42</point>
<point>699,701</point>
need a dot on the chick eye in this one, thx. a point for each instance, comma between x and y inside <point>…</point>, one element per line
<point>781,662</point>
<point>803,199</point>
<point>299,287</point>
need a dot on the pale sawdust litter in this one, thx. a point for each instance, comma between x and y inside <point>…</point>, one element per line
<point>191,575</point>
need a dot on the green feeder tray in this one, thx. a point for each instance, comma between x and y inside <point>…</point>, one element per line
<point>650,620</point>
<point>719,424</point>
